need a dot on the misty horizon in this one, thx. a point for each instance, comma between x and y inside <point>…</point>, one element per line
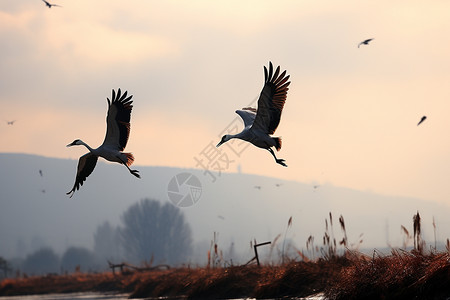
<point>31,219</point>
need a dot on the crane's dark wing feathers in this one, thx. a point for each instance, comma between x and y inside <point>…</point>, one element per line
<point>271,100</point>
<point>86,165</point>
<point>118,120</point>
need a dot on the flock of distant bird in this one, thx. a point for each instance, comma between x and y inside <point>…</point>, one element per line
<point>259,124</point>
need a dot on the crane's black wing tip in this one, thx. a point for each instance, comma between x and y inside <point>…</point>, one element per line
<point>119,97</point>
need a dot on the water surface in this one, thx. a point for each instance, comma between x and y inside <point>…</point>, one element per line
<point>75,296</point>
<point>110,296</point>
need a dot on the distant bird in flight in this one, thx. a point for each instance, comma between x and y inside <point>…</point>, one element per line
<point>421,120</point>
<point>366,42</point>
<point>40,173</point>
<point>10,122</point>
<point>262,122</point>
<point>49,5</point>
<point>257,187</point>
<point>117,133</point>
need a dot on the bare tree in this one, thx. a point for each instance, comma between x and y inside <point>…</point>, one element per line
<point>107,242</point>
<point>42,261</point>
<point>155,232</point>
<point>77,259</point>
<point>4,266</point>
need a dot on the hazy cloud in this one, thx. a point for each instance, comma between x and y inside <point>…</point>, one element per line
<point>350,113</point>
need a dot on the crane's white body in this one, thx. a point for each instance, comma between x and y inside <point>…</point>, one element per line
<point>107,152</point>
<point>256,136</point>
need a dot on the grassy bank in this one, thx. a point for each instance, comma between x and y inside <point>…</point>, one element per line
<point>400,275</point>
<point>415,274</point>
<point>296,278</point>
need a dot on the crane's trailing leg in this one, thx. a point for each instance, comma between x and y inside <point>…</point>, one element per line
<point>134,172</point>
<point>279,161</point>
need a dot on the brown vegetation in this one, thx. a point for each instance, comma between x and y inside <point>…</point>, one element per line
<point>400,275</point>
<point>295,278</point>
<point>77,282</point>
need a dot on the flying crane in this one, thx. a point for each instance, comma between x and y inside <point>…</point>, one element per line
<point>117,133</point>
<point>260,123</point>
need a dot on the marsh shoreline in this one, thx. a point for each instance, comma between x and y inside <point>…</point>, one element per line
<point>400,275</point>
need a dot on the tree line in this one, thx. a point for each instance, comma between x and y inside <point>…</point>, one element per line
<point>150,232</point>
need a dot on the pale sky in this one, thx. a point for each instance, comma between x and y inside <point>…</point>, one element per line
<point>350,116</point>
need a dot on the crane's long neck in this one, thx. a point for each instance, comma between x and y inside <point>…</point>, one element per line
<point>240,135</point>
<point>86,145</point>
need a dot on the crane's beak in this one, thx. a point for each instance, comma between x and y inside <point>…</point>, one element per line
<point>71,144</point>
<point>220,143</point>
